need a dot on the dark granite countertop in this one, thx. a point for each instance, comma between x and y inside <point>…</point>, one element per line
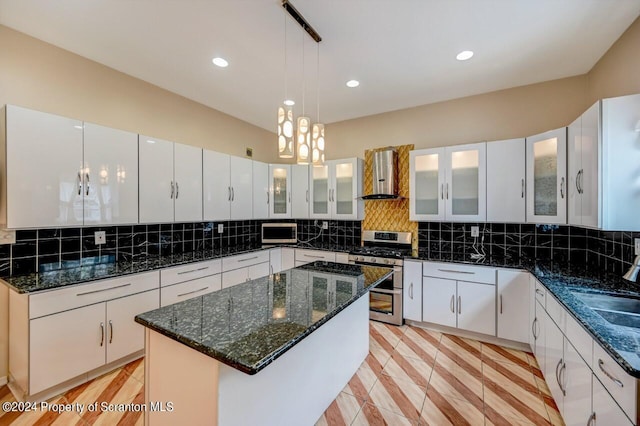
<point>50,280</point>
<point>249,325</point>
<point>562,280</point>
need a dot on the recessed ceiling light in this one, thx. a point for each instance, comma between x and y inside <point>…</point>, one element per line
<point>464,55</point>
<point>289,102</point>
<point>221,62</point>
<point>353,83</point>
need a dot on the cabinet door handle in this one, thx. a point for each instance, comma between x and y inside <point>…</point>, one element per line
<point>540,292</point>
<point>289,196</point>
<point>447,186</point>
<point>500,304</point>
<point>307,195</point>
<point>194,291</point>
<point>522,189</point>
<point>87,184</point>
<point>177,190</point>
<point>411,291</point>
<point>592,418</point>
<point>110,332</point>
<point>609,375</point>
<point>453,271</point>
<point>561,377</point>
<point>271,269</point>
<point>172,190</point>
<point>104,289</point>
<point>533,328</point>
<point>459,305</point>
<point>233,194</point>
<point>557,373</point>
<point>562,188</point>
<point>578,181</point>
<point>453,298</point>
<point>101,334</point>
<point>267,197</point>
<point>581,176</point>
<point>79,184</point>
<point>442,191</point>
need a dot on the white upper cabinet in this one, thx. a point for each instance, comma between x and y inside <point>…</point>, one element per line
<point>583,145</point>
<point>216,185</point>
<point>280,190</point>
<point>241,188</point>
<point>546,177</point>
<point>449,183</point>
<point>50,183</point>
<point>170,181</point>
<point>621,157</point>
<point>506,181</point>
<point>426,188</point>
<point>110,176</point>
<point>336,188</point>
<point>300,191</point>
<point>261,195</point>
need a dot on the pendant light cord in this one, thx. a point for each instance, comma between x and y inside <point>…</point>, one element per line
<point>285,58</point>
<point>318,83</point>
<point>304,82</point>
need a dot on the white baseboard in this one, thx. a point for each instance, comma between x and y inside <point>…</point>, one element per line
<point>3,380</point>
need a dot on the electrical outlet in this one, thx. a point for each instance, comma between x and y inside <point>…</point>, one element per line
<point>325,224</point>
<point>220,228</point>
<point>7,236</point>
<point>637,244</point>
<point>475,231</point>
<point>100,236</point>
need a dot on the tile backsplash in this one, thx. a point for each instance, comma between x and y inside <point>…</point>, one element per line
<point>611,251</point>
<point>48,249</point>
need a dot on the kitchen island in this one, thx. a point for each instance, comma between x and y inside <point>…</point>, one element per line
<point>272,351</point>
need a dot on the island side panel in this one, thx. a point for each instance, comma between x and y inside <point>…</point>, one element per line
<point>182,376</point>
<point>300,385</point>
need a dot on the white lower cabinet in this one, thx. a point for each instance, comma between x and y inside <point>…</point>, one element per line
<point>513,301</point>
<point>288,258</point>
<point>412,290</point>
<point>476,307</point>
<point>275,260</point>
<point>605,409</point>
<point>245,267</point>
<point>576,379</point>
<point>439,301</point>
<point>553,362</point>
<point>303,256</point>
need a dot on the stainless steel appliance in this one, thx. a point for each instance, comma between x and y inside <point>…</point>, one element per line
<point>385,175</point>
<point>279,233</point>
<point>386,249</point>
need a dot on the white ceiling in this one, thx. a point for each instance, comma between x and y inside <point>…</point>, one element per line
<point>402,51</point>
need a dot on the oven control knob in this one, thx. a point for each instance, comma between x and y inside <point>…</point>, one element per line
<point>389,261</point>
<point>373,260</point>
<point>360,259</point>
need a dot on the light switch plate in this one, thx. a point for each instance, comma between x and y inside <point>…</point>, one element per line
<point>475,231</point>
<point>220,228</point>
<point>637,244</point>
<point>7,236</point>
<point>101,237</point>
<point>325,224</point>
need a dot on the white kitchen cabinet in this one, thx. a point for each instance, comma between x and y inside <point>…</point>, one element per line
<point>275,260</point>
<point>412,290</point>
<point>476,307</point>
<point>170,181</point>
<point>576,380</point>
<point>234,277</point>
<point>513,305</point>
<point>439,301</point>
<point>539,325</point>
<point>300,191</point>
<point>605,409</point>
<point>188,289</point>
<point>216,185</point>
<point>554,344</point>
<point>303,256</point>
<point>335,188</point>
<point>288,258</point>
<point>280,190</point>
<point>110,176</point>
<point>506,181</point>
<point>44,169</point>
<point>547,177</point>
<point>245,267</point>
<point>342,258</point>
<point>448,183</point>
<point>260,190</point>
<point>241,188</point>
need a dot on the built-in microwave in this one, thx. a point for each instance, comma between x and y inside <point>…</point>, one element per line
<point>279,233</point>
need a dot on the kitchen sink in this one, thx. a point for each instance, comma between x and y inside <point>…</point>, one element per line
<point>618,310</point>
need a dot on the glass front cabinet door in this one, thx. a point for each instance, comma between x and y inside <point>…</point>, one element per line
<point>546,177</point>
<point>465,191</point>
<point>426,188</point>
<point>280,191</point>
<point>319,191</point>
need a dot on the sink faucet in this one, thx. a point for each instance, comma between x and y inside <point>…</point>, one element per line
<point>633,274</point>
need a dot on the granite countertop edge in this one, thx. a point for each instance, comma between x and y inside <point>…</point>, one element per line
<point>260,365</point>
<point>560,284</point>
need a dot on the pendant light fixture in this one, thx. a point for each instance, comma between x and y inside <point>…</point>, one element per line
<point>285,113</point>
<point>317,131</point>
<point>303,130</point>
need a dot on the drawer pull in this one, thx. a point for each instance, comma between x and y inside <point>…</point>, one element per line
<point>193,270</point>
<point>540,292</point>
<point>247,259</point>
<point>101,333</point>
<point>194,291</point>
<point>451,306</point>
<point>592,419</point>
<point>533,328</point>
<point>609,375</point>
<point>411,291</point>
<point>459,305</point>
<point>110,332</point>
<point>314,256</point>
<point>104,289</point>
<point>453,271</point>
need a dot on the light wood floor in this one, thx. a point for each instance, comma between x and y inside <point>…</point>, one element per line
<point>411,376</point>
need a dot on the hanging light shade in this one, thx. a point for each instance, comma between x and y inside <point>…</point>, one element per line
<point>317,143</point>
<point>303,137</point>
<point>285,132</point>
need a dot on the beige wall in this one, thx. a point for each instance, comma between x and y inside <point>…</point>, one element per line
<point>41,76</point>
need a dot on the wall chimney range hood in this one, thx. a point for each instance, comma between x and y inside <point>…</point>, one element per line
<point>385,175</point>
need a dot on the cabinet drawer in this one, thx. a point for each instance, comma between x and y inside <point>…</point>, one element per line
<point>244,260</point>
<point>456,271</point>
<point>303,255</point>
<point>557,313</point>
<point>54,301</point>
<point>187,290</point>
<point>258,271</point>
<point>620,385</point>
<point>580,339</point>
<point>541,293</point>
<point>191,271</point>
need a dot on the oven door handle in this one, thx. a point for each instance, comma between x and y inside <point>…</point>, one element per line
<point>386,291</point>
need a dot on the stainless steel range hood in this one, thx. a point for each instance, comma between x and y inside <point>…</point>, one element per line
<point>385,175</point>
